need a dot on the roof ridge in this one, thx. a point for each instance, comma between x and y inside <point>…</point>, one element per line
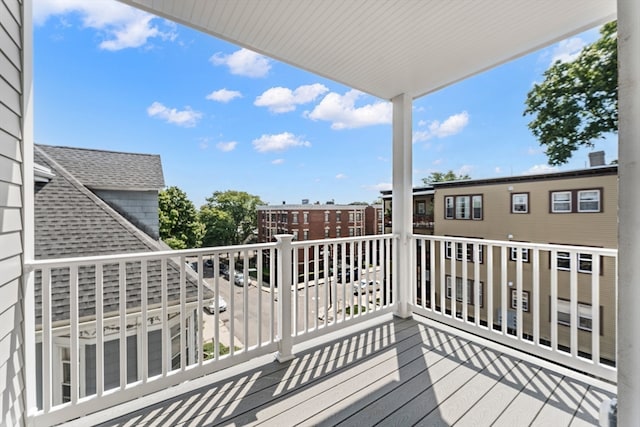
<point>121,220</point>
<point>97,150</point>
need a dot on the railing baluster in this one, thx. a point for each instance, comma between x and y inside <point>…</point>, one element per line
<point>490,287</point>
<point>423,273</point>
<point>476,283</point>
<point>199,316</point>
<point>554,300</point>
<point>443,281</point>
<point>216,314</point>
<point>231,256</point>
<point>272,279</point>
<point>432,274</point>
<point>183,315</point>
<point>573,289</point>
<point>144,320</point>
<point>305,321</point>
<point>465,288</point>
<point>166,334</point>
<point>294,279</point>
<point>519,292</point>
<point>316,274</point>
<point>595,309</point>
<point>245,299</point>
<point>74,338</point>
<point>503,289</point>
<point>47,345</point>
<point>259,255</point>
<point>534,304</point>
<point>122,305</point>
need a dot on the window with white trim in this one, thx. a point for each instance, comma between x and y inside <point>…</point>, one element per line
<point>65,359</point>
<point>294,217</point>
<point>476,203</point>
<point>561,201</point>
<point>585,319</point>
<point>470,288</point>
<point>326,216</point>
<point>305,216</point>
<point>514,299</point>
<point>513,254</point>
<point>449,207</point>
<point>463,208</point>
<point>421,208</point>
<point>326,232</point>
<point>338,231</point>
<point>520,203</point>
<point>585,263</point>
<point>589,201</point>
<point>448,251</point>
<point>338,216</point>
<point>305,234</point>
<point>295,234</point>
<point>563,260</point>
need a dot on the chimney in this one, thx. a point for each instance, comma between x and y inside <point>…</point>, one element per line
<point>305,201</point>
<point>596,158</point>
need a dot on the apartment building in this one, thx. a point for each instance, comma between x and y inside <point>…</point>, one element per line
<point>319,221</point>
<point>576,208</point>
<point>422,210</point>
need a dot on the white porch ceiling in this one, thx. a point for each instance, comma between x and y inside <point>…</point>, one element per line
<point>386,48</point>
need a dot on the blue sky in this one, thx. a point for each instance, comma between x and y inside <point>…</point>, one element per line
<point>224,118</point>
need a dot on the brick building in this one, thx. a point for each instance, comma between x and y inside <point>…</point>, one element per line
<point>319,221</point>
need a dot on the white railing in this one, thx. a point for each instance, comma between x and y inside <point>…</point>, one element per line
<point>559,301</point>
<point>110,329</point>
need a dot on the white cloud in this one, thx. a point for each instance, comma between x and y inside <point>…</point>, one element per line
<point>567,50</point>
<point>243,62</point>
<point>279,142</point>
<point>422,123</point>
<point>498,169</point>
<point>537,169</point>
<point>465,169</point>
<point>277,161</point>
<point>185,118</point>
<point>341,111</point>
<point>341,176</point>
<point>382,186</point>
<point>226,146</point>
<point>451,126</point>
<point>282,99</point>
<point>437,162</point>
<point>532,151</point>
<point>224,95</point>
<point>121,26</point>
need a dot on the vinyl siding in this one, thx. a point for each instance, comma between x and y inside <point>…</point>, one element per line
<point>11,246</point>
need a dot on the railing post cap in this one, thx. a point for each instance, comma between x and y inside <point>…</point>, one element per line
<point>284,237</point>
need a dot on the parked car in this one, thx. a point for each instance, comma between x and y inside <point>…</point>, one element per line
<point>347,274</point>
<point>239,279</point>
<point>363,286</point>
<point>208,263</point>
<point>211,307</point>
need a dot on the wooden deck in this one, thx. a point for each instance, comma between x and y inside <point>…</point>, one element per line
<point>393,373</point>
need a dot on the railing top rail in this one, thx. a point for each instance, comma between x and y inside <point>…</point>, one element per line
<point>341,240</point>
<point>137,256</point>
<point>544,246</point>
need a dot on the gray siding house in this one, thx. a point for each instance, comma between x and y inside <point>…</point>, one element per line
<point>72,220</point>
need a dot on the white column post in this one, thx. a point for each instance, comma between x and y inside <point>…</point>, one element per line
<point>285,286</point>
<point>628,360</point>
<point>402,201</point>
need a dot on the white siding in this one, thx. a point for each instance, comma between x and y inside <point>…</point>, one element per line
<point>12,398</point>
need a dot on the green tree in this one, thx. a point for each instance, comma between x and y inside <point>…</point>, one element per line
<point>577,102</point>
<point>179,225</point>
<point>441,177</point>
<point>219,226</point>
<point>241,208</point>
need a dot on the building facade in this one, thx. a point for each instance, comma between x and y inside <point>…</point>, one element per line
<point>319,221</point>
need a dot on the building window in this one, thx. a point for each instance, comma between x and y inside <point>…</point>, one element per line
<point>326,217</point>
<point>470,288</point>
<point>379,228</point>
<point>175,346</point>
<point>350,216</point>
<point>351,232</point>
<point>305,234</point>
<point>358,216</point>
<point>585,263</point>
<point>380,214</point>
<point>448,207</point>
<point>476,202</point>
<point>525,300</point>
<point>338,215</point>
<point>589,201</point>
<point>463,210</point>
<point>520,203</point>
<point>448,249</point>
<point>326,232</point>
<point>305,217</point>
<point>585,319</point>
<point>338,231</point>
<point>294,218</point>
<point>295,234</point>
<point>563,261</point>
<point>561,201</point>
<point>421,208</point>
<point>513,254</point>
<point>65,359</point>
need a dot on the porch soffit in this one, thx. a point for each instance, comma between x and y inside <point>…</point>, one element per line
<point>386,48</point>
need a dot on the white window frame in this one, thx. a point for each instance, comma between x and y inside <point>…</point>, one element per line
<point>513,254</point>
<point>564,256</point>
<point>581,193</point>
<point>326,232</point>
<point>326,216</point>
<point>305,234</point>
<point>470,288</point>
<point>585,318</point>
<point>338,216</point>
<point>421,208</point>
<point>449,207</point>
<point>294,217</point>
<point>463,207</point>
<point>555,203</point>
<point>474,199</point>
<point>524,201</point>
<point>305,217</point>
<point>586,259</point>
<point>525,300</point>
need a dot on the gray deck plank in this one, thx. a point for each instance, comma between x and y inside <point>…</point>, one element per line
<point>398,372</point>
<point>491,405</point>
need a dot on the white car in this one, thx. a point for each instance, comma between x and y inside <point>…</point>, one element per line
<point>211,307</point>
<point>364,286</point>
<point>239,279</point>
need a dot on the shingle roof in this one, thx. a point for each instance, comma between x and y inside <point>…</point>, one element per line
<point>71,221</point>
<point>109,170</point>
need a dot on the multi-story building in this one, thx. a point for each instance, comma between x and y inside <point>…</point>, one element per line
<point>422,210</point>
<point>575,208</point>
<point>319,221</point>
